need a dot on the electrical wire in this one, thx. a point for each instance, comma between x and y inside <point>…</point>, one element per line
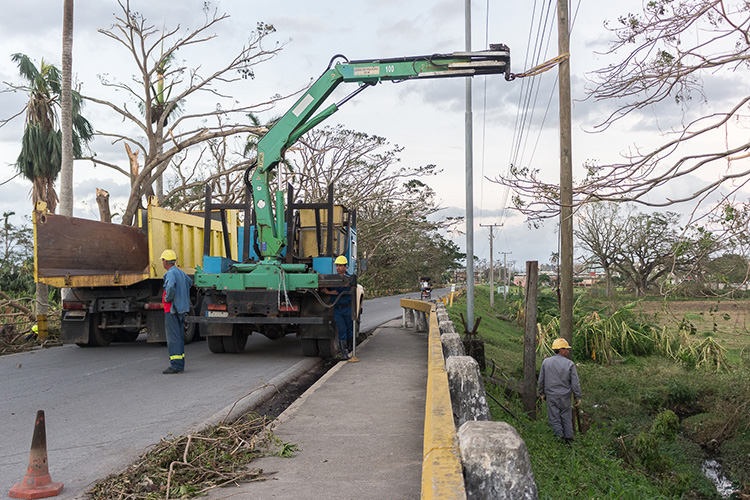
<point>527,104</point>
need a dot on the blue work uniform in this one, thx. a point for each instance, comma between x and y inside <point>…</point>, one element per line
<point>342,312</point>
<point>558,378</point>
<point>176,304</point>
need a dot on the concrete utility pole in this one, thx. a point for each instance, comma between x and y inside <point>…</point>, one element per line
<point>469,183</point>
<point>506,276</point>
<point>492,265</point>
<point>566,177</point>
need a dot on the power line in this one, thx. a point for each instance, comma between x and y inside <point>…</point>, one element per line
<point>5,182</point>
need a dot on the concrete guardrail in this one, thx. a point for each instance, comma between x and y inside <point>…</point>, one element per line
<point>483,459</point>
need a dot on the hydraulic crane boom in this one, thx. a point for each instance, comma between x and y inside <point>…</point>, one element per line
<point>301,118</point>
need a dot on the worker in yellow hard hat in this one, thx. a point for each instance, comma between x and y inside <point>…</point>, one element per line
<point>342,310</point>
<point>176,301</point>
<point>558,379</point>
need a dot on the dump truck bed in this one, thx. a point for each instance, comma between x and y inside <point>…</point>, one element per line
<point>74,252</point>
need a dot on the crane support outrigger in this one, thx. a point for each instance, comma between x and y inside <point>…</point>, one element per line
<point>243,295</point>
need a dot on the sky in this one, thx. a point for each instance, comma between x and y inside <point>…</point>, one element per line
<point>426,118</point>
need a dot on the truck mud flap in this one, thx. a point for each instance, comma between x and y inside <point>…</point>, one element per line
<point>155,326</point>
<point>75,327</point>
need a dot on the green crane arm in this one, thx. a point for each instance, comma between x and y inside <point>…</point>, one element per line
<point>301,117</point>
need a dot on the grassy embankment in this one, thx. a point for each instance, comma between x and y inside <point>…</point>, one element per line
<point>654,416</point>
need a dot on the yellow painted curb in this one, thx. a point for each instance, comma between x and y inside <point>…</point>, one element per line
<point>442,473</point>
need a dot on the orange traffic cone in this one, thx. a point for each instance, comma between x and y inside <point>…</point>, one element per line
<point>37,482</point>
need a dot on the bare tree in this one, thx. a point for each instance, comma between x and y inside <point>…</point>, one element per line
<point>398,226</point>
<point>664,58</point>
<point>162,85</point>
<point>601,230</point>
<point>365,173</point>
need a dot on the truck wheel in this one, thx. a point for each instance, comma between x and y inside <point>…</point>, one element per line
<point>235,343</point>
<point>310,347</point>
<point>215,344</point>
<point>329,348</point>
<point>99,337</point>
<point>190,328</point>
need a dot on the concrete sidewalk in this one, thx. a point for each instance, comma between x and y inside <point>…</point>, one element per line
<point>359,429</point>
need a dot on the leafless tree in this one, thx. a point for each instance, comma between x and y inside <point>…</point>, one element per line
<point>664,56</point>
<point>601,230</point>
<point>163,90</point>
<point>365,173</point>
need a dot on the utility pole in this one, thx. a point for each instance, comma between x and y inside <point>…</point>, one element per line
<point>566,177</point>
<point>469,182</point>
<point>506,276</point>
<point>492,265</point>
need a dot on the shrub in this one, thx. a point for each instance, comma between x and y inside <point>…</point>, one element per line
<point>680,395</point>
<point>665,425</point>
<point>647,447</point>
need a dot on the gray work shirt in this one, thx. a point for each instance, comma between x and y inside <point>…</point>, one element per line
<point>558,377</point>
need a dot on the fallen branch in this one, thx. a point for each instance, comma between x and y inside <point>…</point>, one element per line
<point>14,304</point>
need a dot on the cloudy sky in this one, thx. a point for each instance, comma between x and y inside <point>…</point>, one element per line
<point>426,118</point>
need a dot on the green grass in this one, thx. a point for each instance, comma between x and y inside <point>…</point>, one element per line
<point>624,454</point>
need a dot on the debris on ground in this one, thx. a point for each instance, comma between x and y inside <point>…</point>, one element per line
<point>191,465</point>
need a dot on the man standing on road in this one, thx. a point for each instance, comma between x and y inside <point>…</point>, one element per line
<point>342,311</point>
<point>558,377</point>
<point>176,304</point>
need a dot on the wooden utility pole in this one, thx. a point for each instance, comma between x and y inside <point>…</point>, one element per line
<point>529,338</point>
<point>492,265</point>
<point>566,177</point>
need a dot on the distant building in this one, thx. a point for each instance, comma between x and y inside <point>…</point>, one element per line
<point>582,279</point>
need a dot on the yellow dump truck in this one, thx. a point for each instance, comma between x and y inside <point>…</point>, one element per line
<point>112,274</point>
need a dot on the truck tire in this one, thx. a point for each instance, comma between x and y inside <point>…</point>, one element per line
<point>190,328</point>
<point>99,337</point>
<point>236,342</point>
<point>215,344</point>
<point>310,348</point>
<point>329,348</point>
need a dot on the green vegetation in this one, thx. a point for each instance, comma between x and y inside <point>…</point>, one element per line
<point>652,417</point>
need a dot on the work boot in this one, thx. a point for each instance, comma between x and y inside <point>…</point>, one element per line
<point>344,350</point>
<point>170,371</point>
<point>349,344</point>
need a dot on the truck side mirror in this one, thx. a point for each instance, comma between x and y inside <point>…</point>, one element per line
<point>362,265</point>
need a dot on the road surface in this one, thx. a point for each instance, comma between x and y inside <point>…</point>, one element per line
<point>105,406</point>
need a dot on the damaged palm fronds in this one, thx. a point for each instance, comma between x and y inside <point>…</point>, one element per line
<point>604,339</point>
<point>191,465</point>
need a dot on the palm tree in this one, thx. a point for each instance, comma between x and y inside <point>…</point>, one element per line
<point>41,146</point>
<point>66,173</point>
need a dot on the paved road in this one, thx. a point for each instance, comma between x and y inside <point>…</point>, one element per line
<point>104,406</point>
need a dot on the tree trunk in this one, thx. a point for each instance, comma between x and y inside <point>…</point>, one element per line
<point>66,171</point>
<point>102,199</point>
<point>608,282</point>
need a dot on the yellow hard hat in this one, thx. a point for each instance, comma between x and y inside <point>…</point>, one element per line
<point>35,328</point>
<point>341,260</point>
<point>168,255</point>
<point>560,344</point>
